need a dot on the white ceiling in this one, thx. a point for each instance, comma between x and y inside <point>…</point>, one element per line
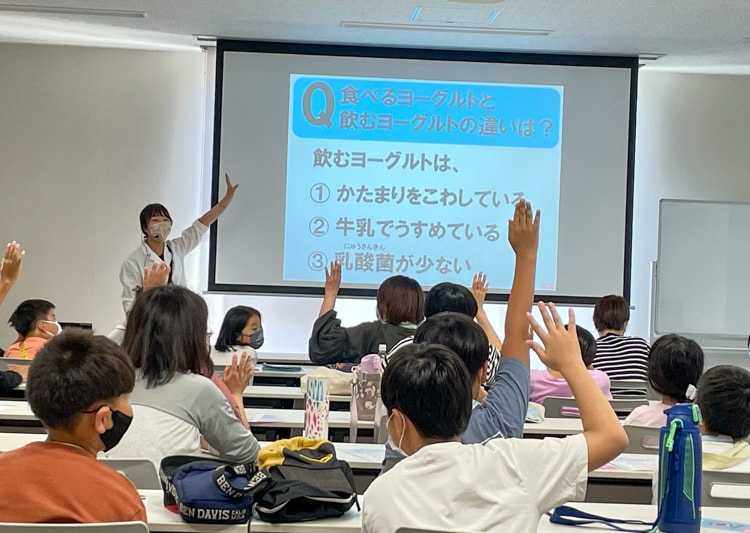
<point>697,36</point>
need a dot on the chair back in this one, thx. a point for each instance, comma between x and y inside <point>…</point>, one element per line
<point>12,361</point>
<point>556,407</point>
<point>632,389</point>
<point>624,407</point>
<point>141,472</point>
<point>726,489</point>
<point>643,440</point>
<point>109,527</point>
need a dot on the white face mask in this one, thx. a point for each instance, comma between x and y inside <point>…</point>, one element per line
<point>401,439</point>
<point>59,327</point>
<point>159,231</point>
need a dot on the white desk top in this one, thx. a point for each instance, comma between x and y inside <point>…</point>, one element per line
<point>366,456</point>
<point>15,410</point>
<point>11,441</point>
<point>162,520</point>
<point>284,418</point>
<point>293,418</point>
<point>159,519</point>
<point>281,358</point>
<point>271,392</point>
<point>554,427</point>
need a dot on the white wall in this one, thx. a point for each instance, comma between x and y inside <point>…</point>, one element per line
<point>87,138</point>
<point>692,143</point>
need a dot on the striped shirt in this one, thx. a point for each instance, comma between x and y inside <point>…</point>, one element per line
<point>622,358</point>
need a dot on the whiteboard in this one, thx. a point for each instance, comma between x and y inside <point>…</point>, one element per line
<point>703,269</point>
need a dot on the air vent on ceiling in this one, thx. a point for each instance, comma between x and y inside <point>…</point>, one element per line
<point>454,15</point>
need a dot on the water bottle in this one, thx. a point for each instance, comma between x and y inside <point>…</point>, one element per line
<point>680,470</point>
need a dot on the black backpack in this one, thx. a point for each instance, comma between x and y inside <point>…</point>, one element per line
<point>307,482</point>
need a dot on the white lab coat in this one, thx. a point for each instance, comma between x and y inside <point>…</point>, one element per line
<point>131,272</point>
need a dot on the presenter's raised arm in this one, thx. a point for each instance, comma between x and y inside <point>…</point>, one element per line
<point>210,216</point>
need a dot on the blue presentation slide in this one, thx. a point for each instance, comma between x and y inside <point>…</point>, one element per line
<point>419,178</point>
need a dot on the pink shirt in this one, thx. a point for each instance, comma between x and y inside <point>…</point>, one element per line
<point>544,384</point>
<point>648,416</point>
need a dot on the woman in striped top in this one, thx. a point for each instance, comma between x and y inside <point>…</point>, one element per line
<point>620,357</point>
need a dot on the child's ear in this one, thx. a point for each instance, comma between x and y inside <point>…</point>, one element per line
<point>483,373</point>
<point>103,420</point>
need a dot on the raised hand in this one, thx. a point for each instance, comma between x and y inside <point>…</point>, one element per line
<point>333,279</point>
<point>523,231</point>
<point>11,265</point>
<point>559,350</point>
<point>156,276</point>
<point>229,195</point>
<point>237,376</point>
<point>479,287</point>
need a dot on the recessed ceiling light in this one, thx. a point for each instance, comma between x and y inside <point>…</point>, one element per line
<point>56,10</point>
<point>445,28</point>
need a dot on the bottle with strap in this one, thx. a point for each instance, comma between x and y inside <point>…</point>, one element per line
<point>680,470</point>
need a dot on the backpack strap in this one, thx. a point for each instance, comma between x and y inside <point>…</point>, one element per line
<point>223,476</point>
<point>570,516</point>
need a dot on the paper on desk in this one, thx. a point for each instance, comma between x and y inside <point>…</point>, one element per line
<point>633,462</point>
<point>724,525</point>
<point>264,418</point>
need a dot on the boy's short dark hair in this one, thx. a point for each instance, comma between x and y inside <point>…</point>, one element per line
<point>431,386</point>
<point>611,312</point>
<point>587,343</point>
<point>450,297</point>
<point>150,211</point>
<point>73,371</point>
<point>674,363</point>
<point>724,401</point>
<point>460,334</point>
<point>28,313</point>
<point>401,299</point>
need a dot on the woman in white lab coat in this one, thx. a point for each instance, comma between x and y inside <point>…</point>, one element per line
<point>156,224</point>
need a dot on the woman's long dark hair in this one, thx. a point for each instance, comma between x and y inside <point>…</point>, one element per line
<point>166,334</point>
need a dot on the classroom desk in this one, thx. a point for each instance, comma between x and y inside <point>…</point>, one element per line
<point>295,419</point>
<point>281,358</point>
<point>18,414</point>
<point>159,519</point>
<point>14,411</point>
<point>553,427</point>
<point>645,513</point>
<point>5,361</point>
<point>620,481</point>
<point>284,393</point>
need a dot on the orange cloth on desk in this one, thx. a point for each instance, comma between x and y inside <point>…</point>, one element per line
<point>31,345</point>
<point>50,482</point>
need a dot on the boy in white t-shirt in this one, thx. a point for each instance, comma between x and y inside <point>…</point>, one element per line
<point>503,485</point>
